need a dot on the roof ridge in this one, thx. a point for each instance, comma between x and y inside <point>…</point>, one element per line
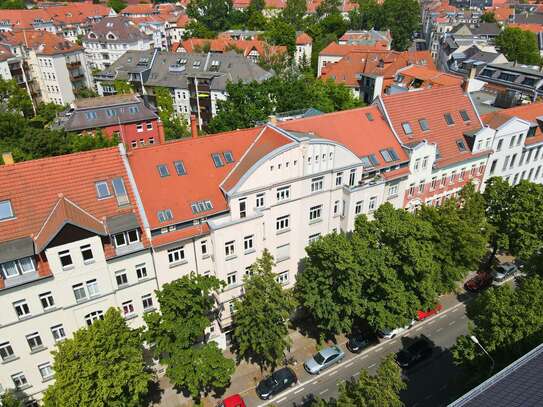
<point>330,114</point>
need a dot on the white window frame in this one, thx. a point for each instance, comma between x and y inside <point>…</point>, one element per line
<point>141,271</point>
<point>176,255</point>
<point>283,193</point>
<point>230,248</point>
<point>248,243</point>
<point>128,308</point>
<point>86,249</point>
<point>317,184</point>
<point>231,279</point>
<point>6,351</point>
<point>147,302</point>
<point>282,278</point>
<point>259,202</point>
<point>19,380</point>
<point>58,332</point>
<point>22,305</point>
<point>282,223</point>
<point>123,276</point>
<point>94,316</point>
<point>65,254</point>
<point>358,207</point>
<point>45,368</point>
<point>315,213</point>
<point>34,341</point>
<point>47,301</point>
<point>372,204</point>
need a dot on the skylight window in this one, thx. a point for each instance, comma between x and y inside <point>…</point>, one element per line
<point>111,112</point>
<point>389,155</point>
<point>423,123</point>
<point>214,66</point>
<point>228,157</point>
<point>201,206</point>
<point>196,64</point>
<point>163,170</point>
<point>464,115</point>
<point>120,191</point>
<point>179,168</point>
<point>461,145</point>
<point>448,119</point>
<point>90,115</point>
<point>365,161</point>
<point>165,215</point>
<point>369,116</point>
<point>102,189</point>
<point>6,211</point>
<point>217,160</point>
<point>133,109</point>
<point>374,161</point>
<point>407,128</point>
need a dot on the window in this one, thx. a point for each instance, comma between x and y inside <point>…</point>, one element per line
<point>149,125</point>
<point>120,191</point>
<point>339,178</point>
<point>19,380</point>
<point>248,243</point>
<point>282,252</point>
<point>448,119</point>
<point>453,176</point>
<point>6,351</point>
<point>21,308</point>
<point>86,253</point>
<point>520,138</point>
<point>163,170</point>
<point>392,190</point>
<point>47,301</point>
<point>407,128</point>
<point>283,193</point>
<point>282,223</point>
<point>34,341</point>
<point>58,333</point>
<point>179,167</point>
<point>314,237</point>
<point>423,123</point>
<point>92,288</point>
<point>90,115</point>
<point>102,189</point>
<point>139,128</point>
<point>203,247</point>
<point>229,248</point>
<point>242,208</point>
<point>358,207</point>
<point>128,308</point>
<point>141,271</point>
<point>46,370</point>
<point>421,186</point>
<point>315,213</point>
<point>111,112</point>
<point>336,207</point>
<point>260,200</point>
<point>464,115</point>
<point>17,267</point>
<point>65,258</point>
<point>126,238</point>
<point>512,163</point>
<point>351,177</point>
<point>462,174</point>
<point>165,215</point>
<point>228,157</point>
<point>94,316</point>
<point>316,184</point>
<point>282,278</point>
<point>499,146</point>
<point>79,292</point>
<point>147,301</point>
<point>373,203</point>
<point>176,255</point>
<point>505,162</point>
<point>121,278</point>
<point>231,279</point>
<point>512,141</point>
<point>433,184</point>
<point>217,160</point>
<point>425,162</point>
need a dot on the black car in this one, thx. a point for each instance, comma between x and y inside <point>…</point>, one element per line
<point>357,342</point>
<point>276,383</point>
<point>414,353</point>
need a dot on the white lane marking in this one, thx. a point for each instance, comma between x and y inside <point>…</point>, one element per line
<point>299,390</point>
<point>364,357</point>
<point>324,391</point>
<point>418,329</point>
<point>452,323</point>
<point>431,322</point>
<point>349,364</point>
<point>280,400</point>
<point>370,366</point>
<point>439,329</point>
<point>333,373</point>
<point>456,310</point>
<point>442,316</point>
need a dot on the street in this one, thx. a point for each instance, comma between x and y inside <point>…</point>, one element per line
<point>427,382</point>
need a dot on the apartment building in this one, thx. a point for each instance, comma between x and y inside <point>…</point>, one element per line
<point>54,68</point>
<point>110,38</point>
<point>72,245</point>
<point>524,80</point>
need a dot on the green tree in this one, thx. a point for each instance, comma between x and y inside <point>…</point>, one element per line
<point>260,320</point>
<point>196,29</point>
<point>15,98</point>
<point>116,5</point>
<point>47,113</point>
<point>519,45</point>
<point>254,17</point>
<point>281,32</point>
<point>402,17</point>
<point>122,87</point>
<point>12,4</point>
<point>488,17</point>
<point>8,399</point>
<point>84,93</point>
<point>178,335</point>
<point>366,16</point>
<point>294,13</point>
<point>328,7</point>
<point>174,126</point>
<point>213,14</point>
<point>381,389</point>
<point>102,365</point>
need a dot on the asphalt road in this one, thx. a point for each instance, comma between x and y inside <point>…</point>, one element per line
<point>427,383</point>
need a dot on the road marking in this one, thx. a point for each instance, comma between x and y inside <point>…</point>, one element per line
<point>431,322</point>
<point>280,400</point>
<point>456,310</point>
<point>324,391</point>
<point>370,366</point>
<point>349,364</point>
<point>364,357</point>
<point>418,329</point>
<point>442,316</point>
<point>332,373</point>
<point>452,323</point>
<point>299,390</point>
<point>439,329</point>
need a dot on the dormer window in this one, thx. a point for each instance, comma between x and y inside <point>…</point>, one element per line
<point>407,128</point>
<point>228,157</point>
<point>531,131</point>
<point>126,238</point>
<point>448,119</point>
<point>92,35</point>
<point>464,115</point>
<point>102,189</point>
<point>165,215</point>
<point>111,36</point>
<point>6,211</point>
<point>17,267</point>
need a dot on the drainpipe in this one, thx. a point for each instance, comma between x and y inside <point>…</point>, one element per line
<point>198,104</point>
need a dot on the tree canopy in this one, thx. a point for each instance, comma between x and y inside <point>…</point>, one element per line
<point>214,15</point>
<point>174,126</point>
<point>102,365</point>
<point>116,5</point>
<point>488,17</point>
<point>519,45</point>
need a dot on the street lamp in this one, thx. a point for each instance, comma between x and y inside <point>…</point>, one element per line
<point>476,341</point>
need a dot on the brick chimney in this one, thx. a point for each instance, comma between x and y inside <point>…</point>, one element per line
<point>7,157</point>
<point>193,126</point>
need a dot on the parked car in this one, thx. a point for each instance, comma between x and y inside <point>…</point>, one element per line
<point>323,359</point>
<point>232,401</point>
<point>391,333</point>
<point>416,352</point>
<point>504,271</point>
<point>428,313</point>
<point>357,342</point>
<point>479,282</point>
<point>275,383</point>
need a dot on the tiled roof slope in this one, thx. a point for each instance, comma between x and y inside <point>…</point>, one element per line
<point>432,104</point>
<point>202,179</point>
<point>429,77</point>
<point>335,49</point>
<point>223,44</point>
<point>43,42</point>
<point>353,129</point>
<point>33,187</point>
<point>122,27</point>
<point>530,112</point>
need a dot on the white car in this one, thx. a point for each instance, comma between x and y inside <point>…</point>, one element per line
<point>504,271</point>
<point>391,333</point>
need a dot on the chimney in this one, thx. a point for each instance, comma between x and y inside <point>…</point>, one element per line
<point>193,126</point>
<point>7,157</point>
<point>272,119</point>
<point>471,77</point>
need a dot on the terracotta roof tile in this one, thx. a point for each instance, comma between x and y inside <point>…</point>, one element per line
<point>430,77</point>
<point>335,49</point>
<point>222,45</point>
<point>303,38</point>
<point>43,42</point>
<point>182,234</point>
<point>535,28</point>
<point>530,112</point>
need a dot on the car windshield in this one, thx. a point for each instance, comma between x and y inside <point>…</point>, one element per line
<point>319,358</point>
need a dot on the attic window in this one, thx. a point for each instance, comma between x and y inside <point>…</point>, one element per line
<point>228,157</point>
<point>133,109</point>
<point>214,66</point>
<point>464,115</point>
<point>369,116</point>
<point>196,64</point>
<point>423,123</point>
<point>389,155</point>
<point>217,160</point>
<point>448,119</point>
<point>407,128</point>
<point>102,189</point>
<point>165,215</point>
<point>531,131</point>
<point>461,145</point>
<point>201,206</point>
<point>111,112</point>
<point>90,115</point>
<point>110,24</point>
<point>6,211</point>
<point>163,170</point>
<point>373,159</point>
<point>92,35</point>
<point>111,36</point>
<point>182,61</point>
<point>120,191</point>
<point>180,168</point>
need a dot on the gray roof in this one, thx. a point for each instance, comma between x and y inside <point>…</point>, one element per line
<point>476,54</point>
<point>172,69</point>
<point>492,29</point>
<point>519,384</point>
<point>16,249</point>
<point>121,223</point>
<point>123,29</point>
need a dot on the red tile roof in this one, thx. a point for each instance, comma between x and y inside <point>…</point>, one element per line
<point>432,104</point>
<point>429,76</point>
<point>335,49</point>
<point>303,39</point>
<point>353,129</point>
<point>501,13</point>
<point>43,42</point>
<point>530,112</point>
<point>33,188</point>
<point>182,234</point>
<point>535,28</point>
<point>139,9</point>
<point>223,44</point>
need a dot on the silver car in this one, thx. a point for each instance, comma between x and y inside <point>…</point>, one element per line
<point>323,359</point>
<point>503,271</point>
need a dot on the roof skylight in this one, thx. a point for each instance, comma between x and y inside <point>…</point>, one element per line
<point>6,211</point>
